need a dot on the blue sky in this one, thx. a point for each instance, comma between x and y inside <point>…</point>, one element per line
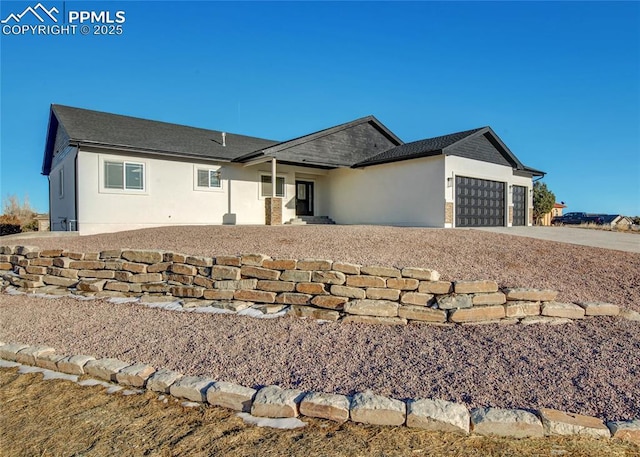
<point>558,82</point>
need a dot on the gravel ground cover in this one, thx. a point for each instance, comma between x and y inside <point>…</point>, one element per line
<point>591,367</point>
<point>577,272</point>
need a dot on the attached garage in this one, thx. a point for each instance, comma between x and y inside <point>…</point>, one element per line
<point>479,202</point>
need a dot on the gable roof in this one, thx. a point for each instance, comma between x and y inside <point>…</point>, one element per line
<point>96,128</point>
<point>452,144</point>
<point>340,146</point>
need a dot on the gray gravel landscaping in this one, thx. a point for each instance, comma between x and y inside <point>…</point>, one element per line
<point>590,367</point>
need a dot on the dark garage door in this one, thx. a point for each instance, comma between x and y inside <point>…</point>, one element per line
<point>479,202</point>
<point>519,205</point>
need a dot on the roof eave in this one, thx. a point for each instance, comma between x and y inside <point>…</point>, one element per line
<point>120,147</point>
<point>367,163</point>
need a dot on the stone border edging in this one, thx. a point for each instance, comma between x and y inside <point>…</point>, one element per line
<point>363,407</point>
<point>313,288</point>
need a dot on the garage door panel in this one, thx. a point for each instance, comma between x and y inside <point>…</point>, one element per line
<point>479,202</point>
<point>519,205</point>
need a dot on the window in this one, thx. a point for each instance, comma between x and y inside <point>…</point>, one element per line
<point>208,178</point>
<point>265,187</point>
<point>61,183</point>
<point>123,175</point>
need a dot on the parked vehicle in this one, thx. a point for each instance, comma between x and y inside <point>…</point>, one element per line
<point>577,219</point>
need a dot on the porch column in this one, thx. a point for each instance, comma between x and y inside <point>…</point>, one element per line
<point>273,204</point>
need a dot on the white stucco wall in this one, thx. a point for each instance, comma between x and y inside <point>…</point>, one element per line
<point>460,166</point>
<point>62,205</point>
<point>170,196</point>
<point>407,193</point>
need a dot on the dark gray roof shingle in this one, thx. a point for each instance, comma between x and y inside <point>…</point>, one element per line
<point>95,127</point>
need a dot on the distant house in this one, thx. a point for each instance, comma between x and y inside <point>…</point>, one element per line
<point>616,221</point>
<point>555,211</point>
<point>109,173</point>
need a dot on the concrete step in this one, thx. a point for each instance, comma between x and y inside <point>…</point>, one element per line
<point>295,221</point>
<point>316,219</point>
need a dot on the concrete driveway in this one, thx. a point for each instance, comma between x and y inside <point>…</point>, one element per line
<point>629,242</point>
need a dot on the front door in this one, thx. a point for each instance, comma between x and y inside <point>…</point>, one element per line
<point>304,198</point>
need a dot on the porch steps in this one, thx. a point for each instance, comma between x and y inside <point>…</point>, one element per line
<point>312,220</point>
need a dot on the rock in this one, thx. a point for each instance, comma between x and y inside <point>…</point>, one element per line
<point>567,310</point>
<point>330,302</point>
<point>531,320</point>
<point>416,298</point>
<point>561,423</point>
<point>153,287</point>
<point>74,364</point>
<point>159,267</point>
<point>372,320</point>
<point>495,298</point>
<point>246,284</point>
<point>117,286</point>
<point>314,264</point>
<point>477,313</point>
<point>187,291</point>
<point>255,296</point>
<point>232,396</point>
<point>280,264</point>
<point>421,313</point>
<point>512,321</point>
<point>454,301</point>
<point>276,286</point>
<point>135,375</point>
<point>106,368</point>
<point>438,415</point>
<point>382,308</point>
<point>146,277</point>
<point>162,380</point>
<point>313,288</point>
<point>270,308</point>
<point>273,401</point>
<point>514,423</point>
<point>143,256</point>
<point>91,285</point>
<point>192,388</point>
<point>315,313</point>
<point>531,294</point>
<point>373,409</point>
<point>298,276</point>
<point>216,294</point>
<point>234,305</point>
<point>326,406</point>
<point>435,287</point>
<point>86,265</point>
<point>225,272</point>
<point>348,268</point>
<point>228,260</point>
<point>375,293</point>
<point>349,292</point>
<point>421,273</point>
<point>293,298</point>
<point>49,361</point>
<point>328,277</point>
<point>129,266</point>
<point>630,315</point>
<point>474,287</point>
<point>365,281</point>
<point>10,351</point>
<point>199,261</point>
<point>626,430</point>
<point>259,273</point>
<point>180,269</point>
<point>522,308</point>
<point>387,272</point>
<point>253,259</point>
<point>28,355</point>
<point>599,309</point>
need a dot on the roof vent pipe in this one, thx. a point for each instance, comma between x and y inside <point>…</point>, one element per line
<point>224,139</point>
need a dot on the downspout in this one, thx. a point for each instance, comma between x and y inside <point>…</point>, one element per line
<point>75,188</point>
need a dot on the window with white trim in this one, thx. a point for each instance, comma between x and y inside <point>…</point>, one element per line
<point>61,183</point>
<point>123,175</point>
<point>265,186</point>
<point>208,178</point>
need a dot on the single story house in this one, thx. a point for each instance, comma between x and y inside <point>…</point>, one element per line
<point>616,221</point>
<point>556,211</point>
<point>109,173</point>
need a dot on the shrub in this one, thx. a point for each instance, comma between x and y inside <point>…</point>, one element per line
<point>9,225</point>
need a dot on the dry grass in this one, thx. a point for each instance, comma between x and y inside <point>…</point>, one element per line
<point>56,418</point>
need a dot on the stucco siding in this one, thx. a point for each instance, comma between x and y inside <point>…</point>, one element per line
<point>62,200</point>
<point>408,193</point>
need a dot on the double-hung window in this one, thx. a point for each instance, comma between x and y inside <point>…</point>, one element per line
<point>123,175</point>
<point>208,178</point>
<point>265,186</point>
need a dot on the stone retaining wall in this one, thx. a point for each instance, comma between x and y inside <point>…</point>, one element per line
<point>313,288</point>
<point>363,407</point>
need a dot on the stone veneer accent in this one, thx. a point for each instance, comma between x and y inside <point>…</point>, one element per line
<point>364,407</point>
<point>273,210</point>
<point>307,288</point>
<point>448,213</point>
